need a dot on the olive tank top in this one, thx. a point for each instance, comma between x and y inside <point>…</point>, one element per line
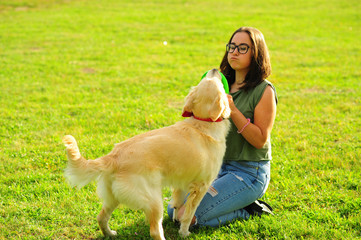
<point>238,149</point>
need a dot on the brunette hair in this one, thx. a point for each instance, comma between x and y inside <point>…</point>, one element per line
<point>260,67</point>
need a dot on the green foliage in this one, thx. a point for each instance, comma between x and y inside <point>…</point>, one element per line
<point>99,70</point>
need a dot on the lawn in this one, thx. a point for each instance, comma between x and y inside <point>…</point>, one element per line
<point>100,70</point>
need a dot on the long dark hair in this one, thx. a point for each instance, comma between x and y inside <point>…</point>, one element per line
<point>260,67</point>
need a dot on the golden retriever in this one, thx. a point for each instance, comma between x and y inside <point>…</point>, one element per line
<point>186,156</point>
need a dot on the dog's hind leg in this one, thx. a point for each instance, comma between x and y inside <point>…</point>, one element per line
<point>103,219</point>
<point>109,205</point>
<point>197,192</point>
<point>154,214</point>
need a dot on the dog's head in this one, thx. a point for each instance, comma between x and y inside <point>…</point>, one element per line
<point>208,99</point>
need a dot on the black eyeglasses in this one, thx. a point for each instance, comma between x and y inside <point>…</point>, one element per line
<point>242,48</point>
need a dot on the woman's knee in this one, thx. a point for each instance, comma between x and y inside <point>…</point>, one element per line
<point>170,211</point>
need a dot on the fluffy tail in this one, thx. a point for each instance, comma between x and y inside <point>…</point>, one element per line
<point>79,171</point>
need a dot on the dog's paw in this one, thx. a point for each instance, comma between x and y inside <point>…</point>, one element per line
<point>111,234</point>
<point>183,233</point>
<point>175,215</point>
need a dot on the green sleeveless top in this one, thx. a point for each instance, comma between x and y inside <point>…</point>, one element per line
<point>238,149</point>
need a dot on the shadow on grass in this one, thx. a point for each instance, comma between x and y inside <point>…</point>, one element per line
<point>140,230</point>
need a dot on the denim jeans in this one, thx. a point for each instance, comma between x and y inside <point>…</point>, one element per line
<point>238,185</point>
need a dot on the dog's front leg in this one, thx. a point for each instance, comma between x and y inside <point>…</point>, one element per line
<point>178,197</point>
<point>195,197</point>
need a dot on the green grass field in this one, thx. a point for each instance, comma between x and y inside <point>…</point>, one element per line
<point>99,70</point>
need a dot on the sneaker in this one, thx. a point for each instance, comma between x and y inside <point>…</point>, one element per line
<point>258,208</point>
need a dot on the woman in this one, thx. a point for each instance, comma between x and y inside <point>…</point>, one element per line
<point>245,173</point>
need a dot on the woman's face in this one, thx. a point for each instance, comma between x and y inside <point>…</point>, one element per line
<point>237,60</point>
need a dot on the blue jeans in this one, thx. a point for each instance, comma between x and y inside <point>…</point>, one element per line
<point>238,185</point>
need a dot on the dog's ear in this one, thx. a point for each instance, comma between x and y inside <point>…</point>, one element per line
<point>226,113</point>
<point>216,109</point>
<point>219,108</point>
<point>188,106</point>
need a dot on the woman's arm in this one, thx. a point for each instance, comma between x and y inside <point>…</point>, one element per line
<point>258,132</point>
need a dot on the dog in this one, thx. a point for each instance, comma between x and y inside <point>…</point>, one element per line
<point>186,156</point>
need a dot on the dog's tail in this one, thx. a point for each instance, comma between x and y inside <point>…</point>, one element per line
<point>79,171</point>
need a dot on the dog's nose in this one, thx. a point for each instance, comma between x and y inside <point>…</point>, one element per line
<point>213,73</point>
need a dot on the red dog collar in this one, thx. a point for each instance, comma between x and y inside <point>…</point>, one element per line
<point>190,114</point>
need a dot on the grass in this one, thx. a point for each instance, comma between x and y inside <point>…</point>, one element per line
<point>99,70</point>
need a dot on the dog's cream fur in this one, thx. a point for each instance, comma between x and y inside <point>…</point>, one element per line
<point>186,156</point>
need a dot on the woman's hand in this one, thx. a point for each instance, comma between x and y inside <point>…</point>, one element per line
<point>231,103</point>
